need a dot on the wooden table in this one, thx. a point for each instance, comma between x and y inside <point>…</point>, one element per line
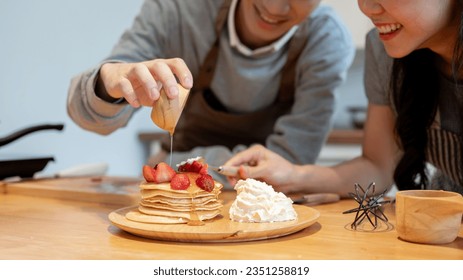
<point>35,227</point>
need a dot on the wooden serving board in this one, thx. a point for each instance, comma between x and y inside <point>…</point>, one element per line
<point>219,229</point>
<point>111,190</point>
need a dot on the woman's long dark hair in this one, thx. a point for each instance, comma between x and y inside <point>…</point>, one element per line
<point>415,88</point>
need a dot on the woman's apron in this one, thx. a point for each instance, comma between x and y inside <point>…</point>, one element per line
<point>444,151</point>
<point>206,122</point>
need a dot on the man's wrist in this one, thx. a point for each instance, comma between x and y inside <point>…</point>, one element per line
<point>101,92</point>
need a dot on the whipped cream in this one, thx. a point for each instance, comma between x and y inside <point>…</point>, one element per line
<point>257,202</point>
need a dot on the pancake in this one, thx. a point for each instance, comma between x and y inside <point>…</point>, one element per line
<point>161,204</point>
<point>212,205</point>
<point>201,215</point>
<point>140,217</point>
<point>176,201</point>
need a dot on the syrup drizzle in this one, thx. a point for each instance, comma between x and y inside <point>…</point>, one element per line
<point>194,217</point>
<point>171,145</point>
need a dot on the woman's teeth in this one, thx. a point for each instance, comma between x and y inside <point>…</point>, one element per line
<point>388,28</point>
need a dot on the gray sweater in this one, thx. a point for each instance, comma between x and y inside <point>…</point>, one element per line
<point>185,29</point>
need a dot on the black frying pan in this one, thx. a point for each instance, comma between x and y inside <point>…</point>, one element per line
<point>24,167</point>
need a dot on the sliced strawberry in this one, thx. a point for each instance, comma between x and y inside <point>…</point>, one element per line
<point>184,167</point>
<point>203,169</point>
<point>180,182</point>
<point>163,173</point>
<point>148,173</point>
<point>195,166</point>
<point>205,182</point>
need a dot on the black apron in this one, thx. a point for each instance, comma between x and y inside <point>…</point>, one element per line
<point>206,122</point>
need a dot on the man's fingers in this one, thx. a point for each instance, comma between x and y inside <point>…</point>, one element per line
<point>180,69</point>
<point>163,73</point>
<point>141,73</point>
<point>125,86</point>
<point>140,83</point>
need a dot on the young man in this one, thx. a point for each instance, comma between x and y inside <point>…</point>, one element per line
<point>261,71</point>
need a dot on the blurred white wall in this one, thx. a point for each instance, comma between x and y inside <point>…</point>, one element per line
<point>43,44</point>
<point>355,20</point>
<point>352,92</point>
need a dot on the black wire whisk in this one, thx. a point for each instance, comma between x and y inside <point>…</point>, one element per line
<point>369,206</point>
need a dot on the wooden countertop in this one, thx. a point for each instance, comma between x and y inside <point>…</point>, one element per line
<point>60,227</point>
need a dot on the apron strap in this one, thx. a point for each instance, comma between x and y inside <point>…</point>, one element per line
<point>207,69</point>
<point>288,77</point>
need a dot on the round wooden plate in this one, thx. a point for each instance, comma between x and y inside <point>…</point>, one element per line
<point>219,229</point>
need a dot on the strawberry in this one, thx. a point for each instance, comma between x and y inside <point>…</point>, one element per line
<point>203,169</point>
<point>205,182</point>
<point>180,182</point>
<point>148,173</point>
<point>163,173</point>
<point>184,167</point>
<point>195,167</point>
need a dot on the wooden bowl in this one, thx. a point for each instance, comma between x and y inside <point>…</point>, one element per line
<point>428,216</point>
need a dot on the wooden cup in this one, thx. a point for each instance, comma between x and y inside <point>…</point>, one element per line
<point>428,216</point>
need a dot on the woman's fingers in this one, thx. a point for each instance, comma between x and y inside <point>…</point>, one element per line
<point>250,156</point>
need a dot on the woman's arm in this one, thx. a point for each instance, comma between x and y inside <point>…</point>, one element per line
<point>376,164</point>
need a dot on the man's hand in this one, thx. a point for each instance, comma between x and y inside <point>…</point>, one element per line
<point>140,83</point>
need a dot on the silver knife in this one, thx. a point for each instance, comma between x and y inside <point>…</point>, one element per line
<point>317,198</point>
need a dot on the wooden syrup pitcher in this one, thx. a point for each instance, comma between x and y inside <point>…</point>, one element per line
<point>166,112</point>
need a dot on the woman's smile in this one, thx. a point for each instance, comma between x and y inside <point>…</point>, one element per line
<point>388,31</point>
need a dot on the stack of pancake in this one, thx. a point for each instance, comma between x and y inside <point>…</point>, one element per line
<point>163,205</point>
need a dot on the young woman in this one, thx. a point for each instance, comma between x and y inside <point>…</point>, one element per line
<point>413,80</point>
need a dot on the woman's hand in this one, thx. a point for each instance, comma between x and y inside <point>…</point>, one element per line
<point>140,83</point>
<point>262,164</point>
